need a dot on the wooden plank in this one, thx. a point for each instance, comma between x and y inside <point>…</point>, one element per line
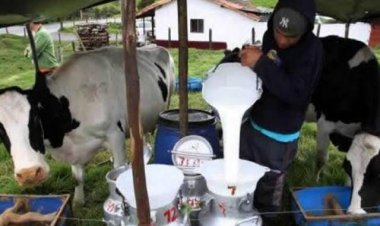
<point>183,66</point>
<point>134,117</point>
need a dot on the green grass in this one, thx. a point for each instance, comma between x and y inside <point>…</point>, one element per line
<point>265,3</point>
<point>114,28</point>
<point>67,29</point>
<point>16,70</point>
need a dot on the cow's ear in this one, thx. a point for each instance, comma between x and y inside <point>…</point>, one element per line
<point>4,138</point>
<point>36,136</point>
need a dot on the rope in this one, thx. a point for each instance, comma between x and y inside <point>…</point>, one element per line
<point>260,213</point>
<point>83,219</point>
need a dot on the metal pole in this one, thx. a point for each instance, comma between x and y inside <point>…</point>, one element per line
<point>183,66</point>
<point>133,101</point>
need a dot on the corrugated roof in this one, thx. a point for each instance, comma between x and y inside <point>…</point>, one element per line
<point>149,10</point>
<point>240,6</point>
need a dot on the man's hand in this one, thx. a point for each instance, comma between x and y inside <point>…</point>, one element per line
<point>250,55</point>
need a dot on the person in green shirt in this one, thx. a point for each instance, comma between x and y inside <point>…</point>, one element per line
<point>47,61</point>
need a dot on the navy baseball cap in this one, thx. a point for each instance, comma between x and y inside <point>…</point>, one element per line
<point>290,22</point>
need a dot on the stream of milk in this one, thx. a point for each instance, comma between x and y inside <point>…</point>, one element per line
<point>231,104</point>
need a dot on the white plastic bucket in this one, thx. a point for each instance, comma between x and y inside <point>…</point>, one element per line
<point>231,89</point>
<point>249,174</point>
<point>162,182</point>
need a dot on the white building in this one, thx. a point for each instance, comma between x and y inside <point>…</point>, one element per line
<point>228,24</point>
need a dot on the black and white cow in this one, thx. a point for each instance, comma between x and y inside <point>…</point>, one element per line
<point>346,107</point>
<point>79,109</point>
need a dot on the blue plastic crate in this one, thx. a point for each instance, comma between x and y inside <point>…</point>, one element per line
<point>194,84</point>
<point>308,204</point>
<point>42,204</point>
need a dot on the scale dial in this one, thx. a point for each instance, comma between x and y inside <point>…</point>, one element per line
<point>190,152</point>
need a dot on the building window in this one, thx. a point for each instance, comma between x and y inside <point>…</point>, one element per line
<point>196,25</point>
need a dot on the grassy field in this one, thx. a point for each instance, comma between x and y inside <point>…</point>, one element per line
<point>17,70</point>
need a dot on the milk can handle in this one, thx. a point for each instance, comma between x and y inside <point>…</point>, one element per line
<point>254,219</point>
<point>148,153</point>
<point>208,199</point>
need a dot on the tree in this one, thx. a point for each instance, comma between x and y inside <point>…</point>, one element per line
<point>141,4</point>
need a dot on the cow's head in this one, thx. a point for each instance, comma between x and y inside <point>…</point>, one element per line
<point>362,163</point>
<point>22,134</point>
<point>26,119</point>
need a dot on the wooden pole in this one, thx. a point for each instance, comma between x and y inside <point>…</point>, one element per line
<point>253,35</point>
<point>183,66</point>
<point>210,39</point>
<point>61,24</point>
<point>73,45</point>
<point>169,37</point>
<point>133,101</point>
<point>153,26</point>
<point>318,30</point>
<point>347,30</point>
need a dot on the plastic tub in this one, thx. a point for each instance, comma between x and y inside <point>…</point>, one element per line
<point>309,206</point>
<point>200,123</point>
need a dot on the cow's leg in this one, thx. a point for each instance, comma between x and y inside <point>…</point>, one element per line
<point>324,128</point>
<point>116,141</point>
<point>78,174</point>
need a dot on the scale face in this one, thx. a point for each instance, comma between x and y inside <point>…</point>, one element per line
<point>190,152</point>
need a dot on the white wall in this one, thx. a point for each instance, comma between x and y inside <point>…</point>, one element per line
<point>231,27</point>
<point>359,31</point>
<point>227,26</point>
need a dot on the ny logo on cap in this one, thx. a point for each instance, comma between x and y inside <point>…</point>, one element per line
<point>284,22</point>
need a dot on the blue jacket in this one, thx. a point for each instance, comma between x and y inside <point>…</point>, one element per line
<point>289,83</point>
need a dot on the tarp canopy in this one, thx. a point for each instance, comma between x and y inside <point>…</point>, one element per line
<point>21,11</point>
<point>349,10</point>
<point>14,12</point>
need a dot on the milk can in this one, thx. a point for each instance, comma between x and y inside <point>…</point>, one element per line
<point>162,216</point>
<point>229,211</point>
<point>113,207</point>
<point>188,154</point>
<point>162,183</point>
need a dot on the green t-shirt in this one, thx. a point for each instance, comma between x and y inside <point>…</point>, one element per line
<point>45,49</point>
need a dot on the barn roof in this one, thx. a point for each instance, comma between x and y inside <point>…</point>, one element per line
<point>240,6</point>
